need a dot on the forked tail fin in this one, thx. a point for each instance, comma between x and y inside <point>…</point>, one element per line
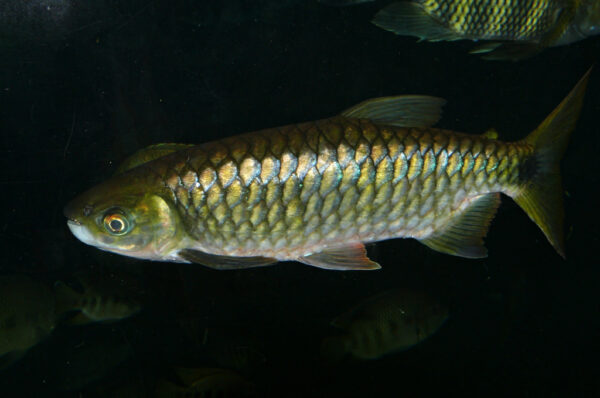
<point>542,196</point>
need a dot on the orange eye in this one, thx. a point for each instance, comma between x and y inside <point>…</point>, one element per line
<point>116,224</point>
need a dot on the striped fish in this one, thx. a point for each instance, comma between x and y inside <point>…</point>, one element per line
<point>388,322</point>
<point>315,192</point>
<point>517,28</point>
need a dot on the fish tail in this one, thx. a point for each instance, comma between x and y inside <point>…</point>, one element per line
<point>541,194</point>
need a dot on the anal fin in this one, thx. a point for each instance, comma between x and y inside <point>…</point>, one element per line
<point>343,258</point>
<point>215,261</point>
<point>464,236</point>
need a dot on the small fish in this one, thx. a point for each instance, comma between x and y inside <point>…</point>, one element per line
<point>206,382</point>
<point>233,351</point>
<point>517,29</point>
<point>386,323</point>
<point>316,192</point>
<point>27,316</point>
<point>94,303</point>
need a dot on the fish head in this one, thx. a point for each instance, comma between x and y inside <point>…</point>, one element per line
<point>122,216</point>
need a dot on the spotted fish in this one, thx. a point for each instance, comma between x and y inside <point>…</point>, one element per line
<point>315,192</point>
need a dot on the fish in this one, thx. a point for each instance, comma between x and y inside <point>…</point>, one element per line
<point>27,316</point>
<point>514,29</point>
<point>100,301</point>
<point>316,192</point>
<point>386,323</point>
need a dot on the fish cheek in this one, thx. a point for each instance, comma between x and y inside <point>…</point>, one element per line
<point>164,223</point>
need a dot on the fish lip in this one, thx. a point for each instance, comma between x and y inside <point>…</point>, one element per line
<point>72,221</point>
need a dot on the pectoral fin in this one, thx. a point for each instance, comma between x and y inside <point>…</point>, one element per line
<point>410,19</point>
<point>464,237</point>
<point>350,257</point>
<point>224,262</point>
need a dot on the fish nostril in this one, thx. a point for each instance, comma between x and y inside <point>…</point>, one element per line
<point>87,210</point>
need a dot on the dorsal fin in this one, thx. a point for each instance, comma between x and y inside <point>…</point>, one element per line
<point>400,111</point>
<point>148,154</point>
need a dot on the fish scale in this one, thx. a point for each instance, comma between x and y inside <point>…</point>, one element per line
<point>496,19</point>
<point>322,183</point>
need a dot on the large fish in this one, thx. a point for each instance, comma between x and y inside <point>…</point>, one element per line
<point>315,192</point>
<point>517,28</point>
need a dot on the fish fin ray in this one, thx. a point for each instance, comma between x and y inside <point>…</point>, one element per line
<point>348,257</point>
<point>410,19</point>
<point>215,261</point>
<point>541,197</point>
<point>400,111</point>
<point>464,237</point>
<point>149,154</point>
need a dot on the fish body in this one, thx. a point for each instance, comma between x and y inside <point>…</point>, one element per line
<point>315,192</point>
<point>388,322</point>
<point>94,305</point>
<point>518,28</point>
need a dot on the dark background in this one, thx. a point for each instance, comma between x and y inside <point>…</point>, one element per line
<point>84,84</point>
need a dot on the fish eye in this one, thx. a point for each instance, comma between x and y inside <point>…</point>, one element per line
<point>116,223</point>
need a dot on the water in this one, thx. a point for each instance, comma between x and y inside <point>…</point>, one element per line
<point>84,86</point>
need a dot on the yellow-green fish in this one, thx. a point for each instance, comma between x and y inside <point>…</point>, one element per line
<point>315,192</point>
<point>517,28</point>
<point>388,322</point>
<point>94,305</point>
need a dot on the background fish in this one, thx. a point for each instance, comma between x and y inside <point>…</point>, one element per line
<point>317,191</point>
<point>388,322</point>
<point>27,316</point>
<point>102,298</point>
<point>519,28</point>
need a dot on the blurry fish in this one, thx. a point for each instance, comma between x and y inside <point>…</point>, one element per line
<point>27,316</point>
<point>96,303</point>
<point>232,351</point>
<point>518,28</point>
<point>386,323</point>
<point>206,382</point>
<point>316,192</point>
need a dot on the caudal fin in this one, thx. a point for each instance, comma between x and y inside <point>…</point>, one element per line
<point>542,197</point>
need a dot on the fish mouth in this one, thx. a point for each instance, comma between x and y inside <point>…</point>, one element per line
<point>81,232</point>
<point>73,222</point>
